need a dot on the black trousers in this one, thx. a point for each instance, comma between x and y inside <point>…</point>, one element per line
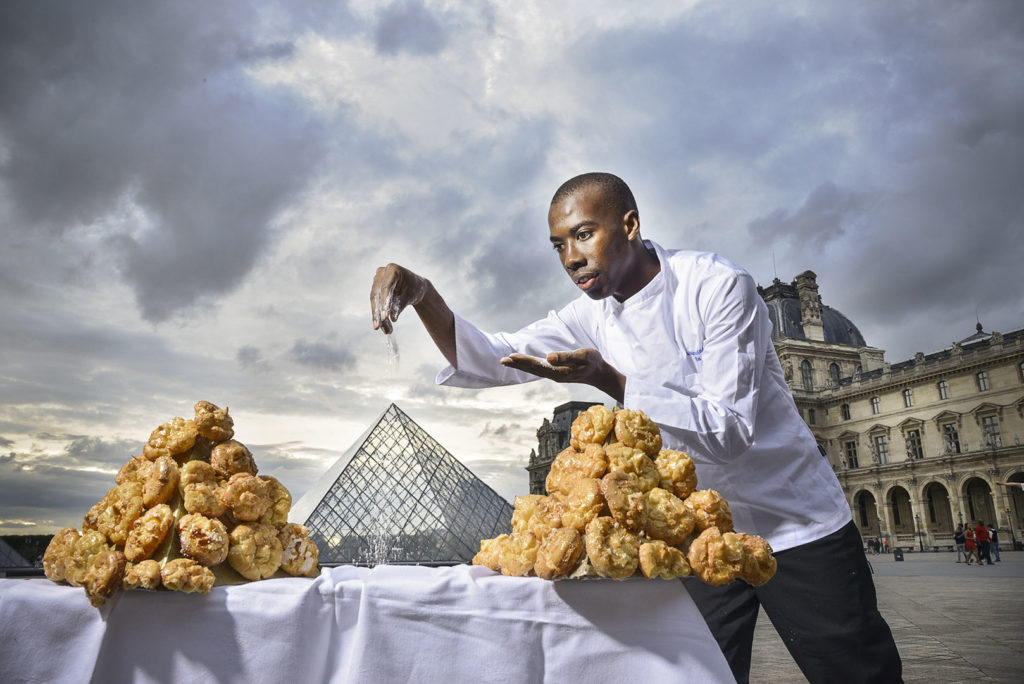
<point>984,552</point>
<point>822,603</point>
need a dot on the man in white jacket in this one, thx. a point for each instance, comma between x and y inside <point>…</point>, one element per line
<point>685,337</point>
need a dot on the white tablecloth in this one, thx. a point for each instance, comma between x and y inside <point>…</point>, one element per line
<point>388,624</point>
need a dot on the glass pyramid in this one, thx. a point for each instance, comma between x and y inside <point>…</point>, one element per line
<point>9,558</point>
<point>397,496</point>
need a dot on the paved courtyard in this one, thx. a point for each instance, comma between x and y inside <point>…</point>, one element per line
<point>952,622</point>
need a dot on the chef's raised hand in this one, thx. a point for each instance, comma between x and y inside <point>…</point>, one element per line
<point>394,288</point>
<point>585,366</point>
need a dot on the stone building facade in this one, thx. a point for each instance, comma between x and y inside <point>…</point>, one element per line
<point>552,437</point>
<point>917,445</point>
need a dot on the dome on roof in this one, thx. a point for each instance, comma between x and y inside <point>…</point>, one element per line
<point>783,301</point>
<point>979,335</point>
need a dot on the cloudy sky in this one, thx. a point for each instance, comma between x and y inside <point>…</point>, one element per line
<point>194,197</point>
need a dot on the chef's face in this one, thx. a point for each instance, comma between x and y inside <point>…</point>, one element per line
<point>593,242</point>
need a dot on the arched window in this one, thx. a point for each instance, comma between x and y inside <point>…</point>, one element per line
<point>943,389</point>
<point>806,376</point>
<point>833,372</point>
<point>876,405</point>
<point>908,397</point>
<point>845,410</point>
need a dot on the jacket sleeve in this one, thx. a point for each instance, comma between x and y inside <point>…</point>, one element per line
<point>478,353</point>
<point>714,411</point>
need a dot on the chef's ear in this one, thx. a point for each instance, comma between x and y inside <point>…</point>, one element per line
<point>631,224</point>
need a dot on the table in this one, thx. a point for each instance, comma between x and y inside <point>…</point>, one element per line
<point>386,624</point>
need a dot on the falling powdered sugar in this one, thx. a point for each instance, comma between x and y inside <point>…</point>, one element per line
<point>392,347</point>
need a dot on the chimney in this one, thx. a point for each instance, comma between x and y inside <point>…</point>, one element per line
<point>810,306</point>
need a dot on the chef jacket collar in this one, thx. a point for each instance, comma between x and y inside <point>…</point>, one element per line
<point>649,291</point>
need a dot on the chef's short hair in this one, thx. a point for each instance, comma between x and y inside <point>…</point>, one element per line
<point>613,188</point>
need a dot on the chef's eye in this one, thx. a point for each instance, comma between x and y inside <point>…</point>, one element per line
<point>583,235</point>
<point>557,246</point>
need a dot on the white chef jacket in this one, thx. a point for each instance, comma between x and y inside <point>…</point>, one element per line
<point>695,346</point>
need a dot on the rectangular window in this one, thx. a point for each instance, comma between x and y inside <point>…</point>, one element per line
<point>806,375</point>
<point>908,397</point>
<point>914,449</point>
<point>845,408</point>
<point>851,454</point>
<point>882,449</point>
<point>876,405</point>
<point>990,430</point>
<point>982,381</point>
<point>810,416</point>
<point>943,389</point>
<point>951,438</point>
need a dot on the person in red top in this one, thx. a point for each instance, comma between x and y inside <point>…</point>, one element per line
<point>971,550</point>
<point>983,540</point>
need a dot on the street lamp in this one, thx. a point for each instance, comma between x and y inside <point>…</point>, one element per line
<point>917,531</point>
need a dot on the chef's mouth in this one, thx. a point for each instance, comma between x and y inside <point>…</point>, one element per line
<point>585,282</point>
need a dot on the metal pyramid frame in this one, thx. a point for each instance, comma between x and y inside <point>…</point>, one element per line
<point>398,497</point>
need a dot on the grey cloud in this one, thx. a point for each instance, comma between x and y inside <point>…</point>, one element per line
<point>251,358</point>
<point>496,234</point>
<point>408,26</point>
<point>18,524</point>
<point>59,491</point>
<point>95,450</point>
<point>4,442</point>
<point>297,474</point>
<point>50,437</point>
<point>822,218</point>
<point>425,388</point>
<point>155,110</point>
<point>930,112</point>
<point>508,477</point>
<point>270,51</point>
<point>501,431</point>
<point>322,355</point>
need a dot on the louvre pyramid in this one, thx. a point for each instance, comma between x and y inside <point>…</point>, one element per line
<point>397,496</point>
<point>9,558</point>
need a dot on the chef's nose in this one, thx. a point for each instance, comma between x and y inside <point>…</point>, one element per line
<point>572,258</point>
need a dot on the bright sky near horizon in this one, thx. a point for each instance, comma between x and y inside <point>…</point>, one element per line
<point>194,197</point>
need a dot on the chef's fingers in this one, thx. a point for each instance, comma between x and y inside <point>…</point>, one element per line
<point>523,362</point>
<point>574,358</point>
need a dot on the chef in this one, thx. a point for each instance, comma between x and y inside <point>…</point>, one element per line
<point>685,337</point>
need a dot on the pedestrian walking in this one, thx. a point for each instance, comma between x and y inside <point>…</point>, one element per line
<point>994,534</point>
<point>984,542</point>
<point>959,539</point>
<point>972,552</point>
